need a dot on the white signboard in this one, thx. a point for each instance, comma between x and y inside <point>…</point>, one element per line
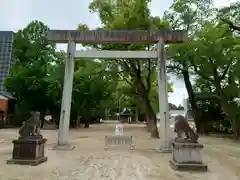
<point>119,130</point>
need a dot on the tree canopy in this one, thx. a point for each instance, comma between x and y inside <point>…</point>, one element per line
<point>211,56</point>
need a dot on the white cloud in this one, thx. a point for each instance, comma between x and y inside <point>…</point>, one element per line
<point>12,16</point>
<point>223,3</point>
<point>177,96</point>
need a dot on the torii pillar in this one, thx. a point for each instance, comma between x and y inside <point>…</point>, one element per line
<point>66,99</point>
<point>165,142</point>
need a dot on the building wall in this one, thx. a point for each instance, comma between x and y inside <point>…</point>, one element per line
<point>6,60</point>
<point>3,111</point>
<point>3,105</point>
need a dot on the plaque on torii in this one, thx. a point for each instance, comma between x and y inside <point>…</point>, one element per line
<point>117,36</point>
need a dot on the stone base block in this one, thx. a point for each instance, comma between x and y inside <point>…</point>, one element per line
<point>118,141</point>
<point>34,162</point>
<point>66,147</point>
<point>188,167</point>
<point>187,156</point>
<point>28,151</point>
<point>48,126</point>
<point>165,146</point>
<point>164,150</point>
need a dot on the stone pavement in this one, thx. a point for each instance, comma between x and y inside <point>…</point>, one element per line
<point>89,161</point>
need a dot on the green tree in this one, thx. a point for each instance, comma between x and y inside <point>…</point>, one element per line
<point>92,90</point>
<point>218,51</point>
<point>36,79</point>
<point>189,15</point>
<point>33,54</point>
<point>231,16</point>
<point>117,15</point>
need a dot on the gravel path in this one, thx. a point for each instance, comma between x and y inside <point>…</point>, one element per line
<point>89,161</point>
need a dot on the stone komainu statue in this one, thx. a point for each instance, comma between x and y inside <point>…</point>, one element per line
<point>182,126</point>
<point>31,127</point>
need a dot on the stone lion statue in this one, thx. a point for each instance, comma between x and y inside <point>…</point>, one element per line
<point>31,127</point>
<point>182,127</point>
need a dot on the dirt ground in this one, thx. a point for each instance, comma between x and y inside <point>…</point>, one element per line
<point>89,161</point>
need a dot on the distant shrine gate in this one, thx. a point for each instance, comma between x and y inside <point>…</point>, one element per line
<point>160,37</point>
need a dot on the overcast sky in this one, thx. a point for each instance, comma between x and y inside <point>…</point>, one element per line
<point>67,14</point>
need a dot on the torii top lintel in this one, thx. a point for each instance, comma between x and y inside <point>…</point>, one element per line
<point>117,36</point>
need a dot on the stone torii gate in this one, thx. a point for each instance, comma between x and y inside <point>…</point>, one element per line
<point>71,37</point>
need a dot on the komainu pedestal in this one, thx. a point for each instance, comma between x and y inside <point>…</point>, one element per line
<point>28,149</point>
<point>28,152</point>
<point>187,156</point>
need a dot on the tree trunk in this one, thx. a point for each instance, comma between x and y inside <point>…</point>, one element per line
<point>86,121</point>
<point>229,109</point>
<point>152,121</point>
<point>86,124</point>
<point>149,123</point>
<point>237,130</point>
<point>136,114</point>
<point>42,118</point>
<point>56,117</point>
<point>78,121</point>
<point>145,117</point>
<point>192,98</point>
<point>149,126</point>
